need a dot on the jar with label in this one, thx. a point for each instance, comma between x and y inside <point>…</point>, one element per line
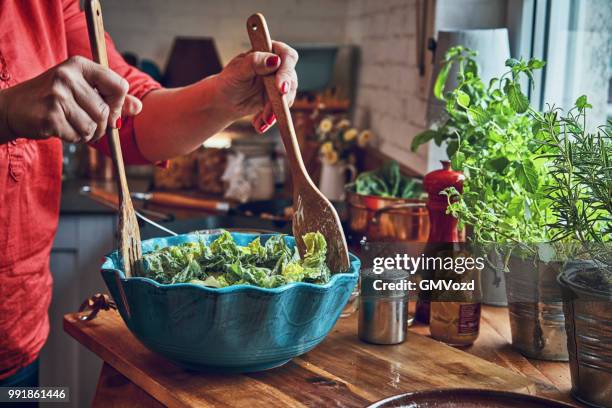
<point>455,308</point>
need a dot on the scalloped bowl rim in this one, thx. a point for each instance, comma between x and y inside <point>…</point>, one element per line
<point>108,261</point>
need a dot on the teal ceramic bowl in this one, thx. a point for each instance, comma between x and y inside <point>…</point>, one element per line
<point>239,328</point>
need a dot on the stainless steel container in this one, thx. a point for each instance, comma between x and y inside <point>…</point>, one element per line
<point>383,310</point>
<point>536,309</point>
<point>588,321</point>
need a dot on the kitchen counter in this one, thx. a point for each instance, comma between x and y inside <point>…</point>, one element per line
<point>74,203</point>
<point>341,371</point>
<point>550,379</point>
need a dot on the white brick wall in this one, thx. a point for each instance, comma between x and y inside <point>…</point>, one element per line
<point>149,26</point>
<point>391,96</point>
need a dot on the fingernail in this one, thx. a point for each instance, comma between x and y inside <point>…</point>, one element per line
<point>272,61</point>
<point>118,123</point>
<point>270,119</point>
<point>285,87</point>
<point>263,128</point>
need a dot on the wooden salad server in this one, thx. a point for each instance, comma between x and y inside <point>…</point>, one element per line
<point>312,211</point>
<point>129,232</point>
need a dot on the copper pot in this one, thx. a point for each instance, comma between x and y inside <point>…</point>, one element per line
<point>386,219</point>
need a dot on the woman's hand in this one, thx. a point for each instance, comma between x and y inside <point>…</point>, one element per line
<point>76,101</point>
<point>241,87</point>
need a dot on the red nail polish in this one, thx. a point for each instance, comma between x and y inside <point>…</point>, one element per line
<point>118,123</point>
<point>272,61</point>
<point>263,128</point>
<point>285,87</point>
<point>270,119</point>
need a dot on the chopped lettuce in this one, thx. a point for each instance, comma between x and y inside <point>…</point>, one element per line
<point>224,263</point>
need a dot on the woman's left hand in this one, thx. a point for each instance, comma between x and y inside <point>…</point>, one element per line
<point>241,87</point>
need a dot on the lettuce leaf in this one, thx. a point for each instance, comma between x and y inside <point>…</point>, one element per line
<point>224,263</point>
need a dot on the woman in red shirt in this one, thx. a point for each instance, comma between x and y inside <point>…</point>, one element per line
<point>50,91</point>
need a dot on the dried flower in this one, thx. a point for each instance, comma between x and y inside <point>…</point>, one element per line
<point>327,147</point>
<point>343,124</point>
<point>364,138</point>
<point>350,135</point>
<point>331,157</point>
<point>326,125</point>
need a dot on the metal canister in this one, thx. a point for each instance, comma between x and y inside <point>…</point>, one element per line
<point>536,309</point>
<point>588,322</point>
<point>383,307</point>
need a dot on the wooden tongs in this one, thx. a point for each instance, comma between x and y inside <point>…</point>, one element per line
<point>312,211</point>
<point>129,232</point>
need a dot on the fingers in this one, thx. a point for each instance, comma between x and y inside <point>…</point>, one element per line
<point>264,120</point>
<point>282,61</point>
<point>259,64</point>
<point>286,78</point>
<point>56,124</point>
<point>132,106</point>
<point>100,98</point>
<point>92,103</point>
<point>111,86</point>
<point>59,110</point>
<point>80,126</point>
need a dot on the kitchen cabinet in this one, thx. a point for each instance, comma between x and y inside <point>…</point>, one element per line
<point>81,242</point>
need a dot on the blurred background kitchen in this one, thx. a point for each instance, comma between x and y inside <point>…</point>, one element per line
<point>365,74</point>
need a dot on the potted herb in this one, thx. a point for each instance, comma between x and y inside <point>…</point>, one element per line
<point>580,192</point>
<point>385,205</point>
<point>490,138</point>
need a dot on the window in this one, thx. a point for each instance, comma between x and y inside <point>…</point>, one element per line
<point>575,38</point>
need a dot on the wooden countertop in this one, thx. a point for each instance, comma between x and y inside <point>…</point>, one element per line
<point>342,370</point>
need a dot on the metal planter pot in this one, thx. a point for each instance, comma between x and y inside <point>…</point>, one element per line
<point>536,309</point>
<point>493,288</point>
<point>493,281</point>
<point>588,321</point>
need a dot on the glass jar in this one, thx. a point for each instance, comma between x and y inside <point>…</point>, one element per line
<point>455,313</point>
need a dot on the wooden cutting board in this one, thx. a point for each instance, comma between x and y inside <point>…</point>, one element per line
<point>341,371</point>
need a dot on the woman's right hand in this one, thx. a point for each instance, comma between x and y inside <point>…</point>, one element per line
<point>76,101</point>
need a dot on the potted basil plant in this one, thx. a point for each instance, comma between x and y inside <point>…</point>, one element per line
<point>490,137</point>
<point>580,192</point>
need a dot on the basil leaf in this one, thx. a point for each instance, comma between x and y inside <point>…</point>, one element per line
<point>422,138</point>
<point>527,176</point>
<point>498,164</point>
<point>441,81</point>
<point>463,99</point>
<point>518,101</point>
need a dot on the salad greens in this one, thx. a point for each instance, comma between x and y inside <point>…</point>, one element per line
<point>388,182</point>
<point>224,263</point>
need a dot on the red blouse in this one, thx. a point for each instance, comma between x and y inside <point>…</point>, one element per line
<point>36,35</point>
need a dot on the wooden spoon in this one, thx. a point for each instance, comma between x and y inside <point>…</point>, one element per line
<point>129,233</point>
<point>312,210</point>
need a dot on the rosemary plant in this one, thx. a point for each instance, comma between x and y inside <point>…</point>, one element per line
<point>580,189</point>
